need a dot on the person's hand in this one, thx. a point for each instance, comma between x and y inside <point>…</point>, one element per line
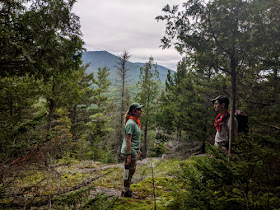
<point>128,160</point>
<point>139,153</point>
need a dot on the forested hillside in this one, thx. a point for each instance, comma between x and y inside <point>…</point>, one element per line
<point>61,130</point>
<point>99,59</point>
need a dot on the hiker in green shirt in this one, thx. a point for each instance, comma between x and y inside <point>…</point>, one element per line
<point>131,144</point>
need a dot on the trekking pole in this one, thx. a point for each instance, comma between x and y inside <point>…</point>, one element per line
<point>153,186</point>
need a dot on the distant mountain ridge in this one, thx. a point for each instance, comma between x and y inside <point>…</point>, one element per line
<point>103,58</point>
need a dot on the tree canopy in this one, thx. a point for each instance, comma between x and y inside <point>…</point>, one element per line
<point>227,36</point>
<point>36,36</point>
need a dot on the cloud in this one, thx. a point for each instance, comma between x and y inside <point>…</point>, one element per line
<point>168,57</point>
<point>117,25</point>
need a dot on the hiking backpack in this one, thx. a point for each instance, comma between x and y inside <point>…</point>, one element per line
<point>242,119</point>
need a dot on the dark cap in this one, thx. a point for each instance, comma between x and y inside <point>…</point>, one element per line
<point>135,106</point>
<point>221,100</point>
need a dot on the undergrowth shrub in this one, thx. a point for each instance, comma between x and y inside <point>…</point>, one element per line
<point>242,181</point>
<point>101,202</point>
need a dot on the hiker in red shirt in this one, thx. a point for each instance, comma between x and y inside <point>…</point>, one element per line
<point>222,123</point>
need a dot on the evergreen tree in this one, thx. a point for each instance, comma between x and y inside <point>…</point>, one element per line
<point>183,106</point>
<point>40,66</point>
<point>99,120</point>
<point>61,137</point>
<point>122,71</point>
<point>245,182</point>
<point>21,113</point>
<point>36,35</point>
<point>80,94</point>
<point>223,34</point>
<point>81,102</point>
<point>91,127</point>
<point>148,93</point>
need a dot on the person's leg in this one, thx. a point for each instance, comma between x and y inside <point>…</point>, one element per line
<point>217,144</point>
<point>222,146</point>
<point>132,169</point>
<point>126,183</point>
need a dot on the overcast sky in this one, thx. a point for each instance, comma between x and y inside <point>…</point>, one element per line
<point>118,25</point>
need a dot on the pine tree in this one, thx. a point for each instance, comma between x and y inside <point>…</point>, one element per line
<point>245,182</point>
<point>23,51</point>
<point>21,113</point>
<point>46,63</point>
<point>91,126</point>
<point>99,120</point>
<point>183,106</point>
<point>123,73</point>
<point>230,36</point>
<point>148,93</point>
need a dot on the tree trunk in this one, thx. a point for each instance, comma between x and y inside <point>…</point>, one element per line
<point>179,134</point>
<point>122,61</point>
<point>233,101</point>
<point>122,102</point>
<point>51,109</point>
<point>75,114</point>
<point>120,133</point>
<point>11,105</point>
<point>275,83</point>
<point>145,150</point>
<point>51,113</point>
<point>121,120</point>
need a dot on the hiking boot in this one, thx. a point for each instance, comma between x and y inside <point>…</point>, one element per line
<point>127,194</point>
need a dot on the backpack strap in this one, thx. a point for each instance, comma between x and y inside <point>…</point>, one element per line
<point>225,121</point>
<point>226,118</point>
